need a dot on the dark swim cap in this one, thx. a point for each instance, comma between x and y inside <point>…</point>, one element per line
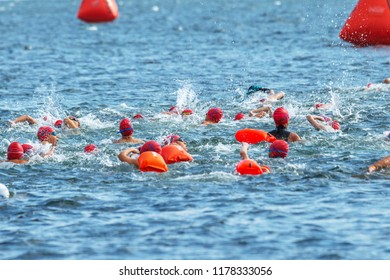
<point>256,88</point>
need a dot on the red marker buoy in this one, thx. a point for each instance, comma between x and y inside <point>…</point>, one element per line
<point>95,11</point>
<point>368,24</point>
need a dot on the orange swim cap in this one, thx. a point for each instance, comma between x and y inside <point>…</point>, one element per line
<point>15,151</point>
<point>281,117</point>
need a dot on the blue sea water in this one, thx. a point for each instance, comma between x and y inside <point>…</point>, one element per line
<point>318,203</point>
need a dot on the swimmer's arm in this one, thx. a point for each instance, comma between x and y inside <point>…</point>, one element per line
<point>382,163</point>
<point>313,120</point>
<point>260,110</point>
<point>124,156</point>
<point>293,137</point>
<point>49,153</point>
<point>25,118</point>
<point>278,95</point>
<point>70,123</point>
<point>244,151</point>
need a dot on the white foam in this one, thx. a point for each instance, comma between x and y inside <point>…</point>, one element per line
<point>4,192</point>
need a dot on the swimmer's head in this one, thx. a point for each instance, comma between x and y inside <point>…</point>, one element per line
<point>73,118</point>
<point>214,115</point>
<point>319,105</point>
<point>369,85</point>
<point>386,81</point>
<point>138,116</point>
<point>15,151</point>
<point>335,125</point>
<point>58,124</point>
<point>281,117</point>
<point>173,138</point>
<point>279,148</point>
<point>27,148</point>
<point>152,146</point>
<point>126,127</point>
<point>44,132</point>
<point>186,112</point>
<point>174,110</point>
<point>239,116</point>
<point>90,148</point>
<point>256,88</point>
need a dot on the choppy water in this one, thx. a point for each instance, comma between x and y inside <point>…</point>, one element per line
<point>318,203</point>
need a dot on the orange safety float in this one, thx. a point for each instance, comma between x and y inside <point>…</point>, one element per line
<point>95,11</point>
<point>251,167</point>
<point>253,136</point>
<point>174,153</point>
<point>152,162</point>
<point>368,24</point>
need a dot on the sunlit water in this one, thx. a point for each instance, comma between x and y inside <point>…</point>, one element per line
<point>318,203</point>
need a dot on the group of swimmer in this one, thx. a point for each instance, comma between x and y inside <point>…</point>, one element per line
<point>153,156</point>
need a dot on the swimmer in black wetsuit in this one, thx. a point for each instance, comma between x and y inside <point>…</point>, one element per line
<point>281,118</point>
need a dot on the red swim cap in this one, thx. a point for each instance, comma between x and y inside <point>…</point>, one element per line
<point>152,146</point>
<point>58,124</point>
<point>15,151</point>
<point>125,127</point>
<point>90,148</point>
<point>44,132</point>
<point>174,110</point>
<point>335,125</point>
<point>170,139</point>
<point>138,116</point>
<point>187,112</point>
<point>278,148</point>
<point>27,148</point>
<point>239,116</point>
<point>281,117</point>
<point>215,114</point>
<point>262,100</point>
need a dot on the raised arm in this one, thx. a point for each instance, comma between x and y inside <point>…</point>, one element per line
<point>25,118</point>
<point>244,151</point>
<point>261,112</point>
<point>314,121</point>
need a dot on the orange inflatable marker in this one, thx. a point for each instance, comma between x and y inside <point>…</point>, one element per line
<point>251,167</point>
<point>173,153</point>
<point>253,136</point>
<point>152,162</point>
<point>368,24</point>
<point>95,11</point>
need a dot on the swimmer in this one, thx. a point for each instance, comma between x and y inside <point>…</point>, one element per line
<point>239,116</point>
<point>16,154</point>
<point>126,129</point>
<point>175,149</point>
<point>278,149</point>
<point>386,81</point>
<point>175,111</point>
<point>323,123</point>
<point>131,155</point>
<point>47,135</point>
<point>272,95</point>
<point>69,122</point>
<point>382,163</point>
<point>320,106</point>
<point>174,140</point>
<point>281,119</point>
<point>24,118</point>
<point>213,116</point>
<point>261,112</point>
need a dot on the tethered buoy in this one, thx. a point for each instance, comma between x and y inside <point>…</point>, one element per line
<point>368,24</point>
<point>95,11</point>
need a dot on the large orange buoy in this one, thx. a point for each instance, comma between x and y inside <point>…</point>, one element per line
<point>98,11</point>
<point>253,136</point>
<point>251,167</point>
<point>152,162</point>
<point>368,24</point>
<point>173,153</point>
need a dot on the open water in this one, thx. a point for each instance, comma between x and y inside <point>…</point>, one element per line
<point>318,203</point>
